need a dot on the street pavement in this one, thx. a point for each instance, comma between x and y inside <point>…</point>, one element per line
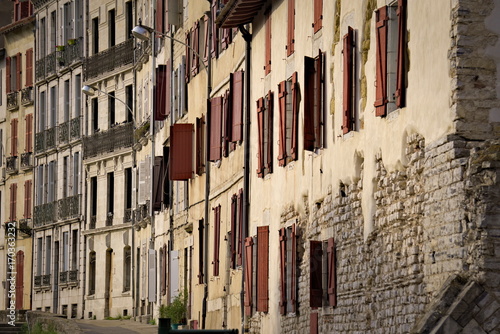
<point>115,327</point>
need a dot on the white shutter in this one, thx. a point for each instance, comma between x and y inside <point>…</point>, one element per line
<point>182,86</point>
<point>134,187</point>
<point>142,182</point>
<point>174,274</point>
<point>152,275</point>
<point>143,271</point>
<point>174,14</point>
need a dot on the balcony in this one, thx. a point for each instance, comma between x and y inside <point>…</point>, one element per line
<point>45,214</point>
<point>27,96</point>
<point>12,101</point>
<point>72,51</point>
<point>141,49</point>
<point>64,132</point>
<point>109,60</point>
<point>68,208</point>
<point>25,226</point>
<point>120,136</point>
<point>38,281</point>
<point>73,276</point>
<point>45,67</point>
<point>127,216</point>
<point>141,215</point>
<point>12,165</point>
<point>50,138</point>
<point>46,280</point>
<point>75,128</point>
<point>63,277</point>
<point>109,219</point>
<point>26,160</point>
<point>93,220</point>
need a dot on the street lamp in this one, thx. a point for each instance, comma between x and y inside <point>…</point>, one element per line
<point>90,91</point>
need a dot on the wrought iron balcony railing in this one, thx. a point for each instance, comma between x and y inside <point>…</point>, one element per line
<point>45,214</point>
<point>27,96</point>
<point>141,49</point>
<point>127,216</point>
<point>46,280</point>
<point>50,64</point>
<point>74,128</point>
<point>63,132</point>
<point>50,138</point>
<point>38,281</point>
<point>120,136</point>
<point>142,212</point>
<point>12,165</point>
<point>26,160</point>
<point>68,208</point>
<point>109,219</point>
<point>63,277</point>
<point>73,52</point>
<point>93,221</point>
<point>12,101</point>
<point>40,142</point>
<point>108,60</point>
<point>25,226</point>
<point>73,276</point>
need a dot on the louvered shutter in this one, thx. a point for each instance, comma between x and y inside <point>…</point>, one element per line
<point>215,31</point>
<point>160,91</point>
<point>168,88</point>
<point>18,71</point>
<point>216,241</point>
<point>13,137</point>
<point>282,123</point>
<point>200,250</point>
<point>8,75</point>
<point>237,106</point>
<point>195,45</point>
<point>215,129</point>
<point>263,268</point>
<point>283,269</point>
<point>295,113</point>
<point>332,293</point>
<point>248,268</point>
<point>348,72</point>
<point>200,163</point>
<point>174,13</point>
<point>313,323</point>
<point>29,67</point>
<point>293,284</point>
<point>234,237</point>
<point>29,133</point>
<point>260,127</point>
<point>19,280</point>
<point>159,16</point>
<point>151,275</point>
<point>206,51</point>
<point>318,15</point>
<point>400,75</point>
<point>181,151</point>
<point>381,62</point>
<point>316,274</point>
<point>27,198</point>
<point>267,65</point>
<point>269,106</point>
<point>163,274</point>
<point>309,106</point>
<point>240,227</point>
<point>188,57</point>
<point>290,45</point>
<point>157,182</point>
<point>226,123</point>
<point>13,198</point>
<point>318,97</point>
<point>225,38</point>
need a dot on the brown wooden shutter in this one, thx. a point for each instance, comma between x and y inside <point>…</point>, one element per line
<point>200,133</point>
<point>309,107</point>
<point>313,323</point>
<point>332,292</point>
<point>27,198</point>
<point>215,31</point>
<point>267,65</point>
<point>168,88</point>
<point>200,251</point>
<point>316,272</point>
<point>206,51</point>
<point>295,113</point>
<point>348,73</point>
<point>29,133</point>
<point>196,46</point>
<point>263,268</point>
<point>290,45</point>
<point>282,126</point>
<point>294,286</point>
<point>13,202</point>
<point>29,67</point>
<point>188,56</point>
<point>18,71</point>
<point>283,270</point>
<point>159,16</point>
<point>226,123</point>
<point>181,152</point>
<point>216,240</point>
<point>160,92</point>
<point>260,128</point>
<point>237,106</point>
<point>318,15</point>
<point>19,280</point>
<point>8,75</point>
<point>269,162</point>
<point>215,129</point>
<point>239,251</point>
<point>225,38</point>
<point>400,75</point>
<point>234,237</point>
<point>157,182</point>
<point>13,137</point>
<point>381,62</point>
<point>248,268</point>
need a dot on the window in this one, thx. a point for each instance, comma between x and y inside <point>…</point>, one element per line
<point>314,111</point>
<point>76,173</point>
<point>348,109</point>
<point>66,101</point>
<point>68,19</point>
<point>48,255</point>
<point>39,256</point>
<point>92,272</point>
<point>195,44</point>
<point>43,115</point>
<point>13,75</point>
<point>79,18</point>
<point>13,202</point>
<point>318,15</point>
<point>19,279</point>
<point>78,95</point>
<point>215,31</point>
<point>189,54</point>
<point>268,35</point>
<point>95,115</point>
<point>95,35</point>
<point>288,108</point>
<point>215,128</point>
<point>216,240</point>
<point>322,265</point>
<point>158,175</point>
<point>201,245</point>
<point>53,25</point>
<point>129,98</point>
<point>111,194</point>
<point>27,198</point>
<point>111,110</point>
<point>236,88</point>
<point>262,268</point>
<point>236,229</point>
<point>29,68</point>
<point>288,269</point>
<point>22,9</point>
<point>290,44</point>
<point>163,270</point>
<point>181,151</point>
<point>39,184</point>
<point>53,107</point>
<point>226,123</point>
<point>128,188</point>
<point>162,98</point>
<point>29,133</point>
<point>166,177</point>
<point>390,58</point>
<point>265,130</point>
<point>129,19</point>
<point>127,268</point>
<point>65,252</point>
<point>52,176</point>
<point>13,137</point>
<point>42,35</point>
<point>93,198</point>
<point>111,27</point>
<point>200,139</point>
<point>74,250</point>
<point>65,177</point>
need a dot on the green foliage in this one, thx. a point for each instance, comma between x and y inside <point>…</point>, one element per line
<point>38,329</point>
<point>152,322</point>
<point>176,310</point>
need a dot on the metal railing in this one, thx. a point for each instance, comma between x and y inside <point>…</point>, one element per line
<point>108,60</point>
<point>38,281</point>
<point>73,52</point>
<point>63,132</point>
<point>26,160</point>
<point>68,208</point>
<point>12,101</point>
<point>50,138</point>
<point>142,212</point>
<point>46,280</point>
<point>109,219</point>
<point>73,276</point>
<point>127,216</point>
<point>40,141</point>
<point>92,223</point>
<point>27,96</point>
<point>63,277</point>
<point>120,136</point>
<point>50,64</point>
<point>141,49</point>
<point>11,165</point>
<point>45,214</point>
<point>74,127</point>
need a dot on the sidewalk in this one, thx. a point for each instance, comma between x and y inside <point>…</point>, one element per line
<point>115,327</point>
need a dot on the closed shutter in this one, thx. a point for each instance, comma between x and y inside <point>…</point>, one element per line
<point>263,268</point>
<point>27,198</point>
<point>200,250</point>
<point>8,75</point>
<point>283,270</point>
<point>200,163</point>
<point>240,227</point>
<point>159,16</point>
<point>163,268</point>
<point>332,293</point>
<point>29,67</point>
<point>237,106</point>
<point>269,121</point>
<point>13,199</point>
<point>313,323</point>
<point>267,65</point>
<point>174,16</point>
<point>309,95</point>
<point>282,123</point>
<point>152,275</point>
<point>160,91</point>
<point>234,236</point>
<point>188,57</point>
<point>226,123</point>
<point>260,127</point>
<point>29,133</point>
<point>18,71</point>
<point>157,182</point>
<point>215,129</point>
<point>381,63</point>
<point>290,45</point>
<point>26,9</point>
<point>13,137</point>
<point>248,268</point>
<point>168,88</point>
<point>216,240</point>
<point>206,35</point>
<point>225,38</point>
<point>295,113</point>
<point>318,15</point>
<point>316,273</point>
<point>347,82</point>
<point>215,31</point>
<point>318,99</point>
<point>19,280</point>
<point>400,75</point>
<point>293,284</point>
<point>181,152</point>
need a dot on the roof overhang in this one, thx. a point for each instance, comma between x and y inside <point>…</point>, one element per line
<point>238,12</point>
<point>16,25</point>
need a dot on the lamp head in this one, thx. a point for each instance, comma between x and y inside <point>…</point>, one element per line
<point>88,90</point>
<point>140,32</point>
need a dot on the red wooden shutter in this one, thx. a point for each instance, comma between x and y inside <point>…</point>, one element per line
<point>316,272</point>
<point>226,123</point>
<point>260,128</point>
<point>225,38</point>
<point>159,16</point>
<point>8,75</point>
<point>294,287</point>
<point>234,237</point>
<point>313,323</point>
<point>216,240</point>
<point>309,106</point>
<point>196,46</point>
<point>267,65</point>
<point>237,106</point>
<point>269,164</point>
<point>215,129</point>
<point>157,183</point>
<point>332,293</point>
<point>248,274</point>
<point>400,75</point>
<point>13,202</point>
<point>29,67</point>
<point>381,63</point>
<point>27,199</point>
<point>205,36</point>
<point>318,15</point>
<point>263,268</point>
<point>13,137</point>
<point>188,56</point>
<point>181,152</point>
<point>215,31</point>
<point>347,96</point>
<point>200,163</point>
<point>29,133</point>
<point>18,71</point>
<point>295,113</point>
<point>290,45</point>
<point>282,119</point>
<point>19,280</point>
<point>240,227</point>
<point>161,93</point>
<point>283,270</point>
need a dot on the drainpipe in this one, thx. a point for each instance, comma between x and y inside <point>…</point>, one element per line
<point>246,171</point>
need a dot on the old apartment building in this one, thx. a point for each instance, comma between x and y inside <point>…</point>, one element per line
<point>291,166</point>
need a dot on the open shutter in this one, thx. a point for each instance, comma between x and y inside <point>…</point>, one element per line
<point>157,182</point>
<point>27,198</point>
<point>151,275</point>
<point>263,268</point>
<point>313,323</point>
<point>347,93</point>
<point>309,106</point>
<point>282,120</point>
<point>269,149</point>
<point>174,13</point>
<point>400,75</point>
<point>206,51</point>
<point>13,137</point>
<point>29,133</point>
<point>295,113</point>
<point>234,237</point>
<point>19,280</point>
<point>215,31</point>
<point>290,44</point>
<point>200,163</point>
<point>187,69</point>
<point>8,75</point>
<point>332,293</point>
<point>267,65</point>
<point>29,67</point>
<point>240,227</point>
<point>283,269</point>
<point>318,15</point>
<point>215,129</point>
<point>248,274</point>
<point>225,39</point>
<point>159,16</point>
<point>196,46</point>
<point>216,240</point>
<point>260,127</point>
<point>200,250</point>
<point>163,274</point>
<point>181,152</point>
<point>293,283</point>
<point>160,92</point>
<point>226,123</point>
<point>381,63</point>
<point>316,272</point>
<point>168,88</point>
<point>18,71</point>
<point>237,106</point>
<point>318,99</point>
<point>13,202</point>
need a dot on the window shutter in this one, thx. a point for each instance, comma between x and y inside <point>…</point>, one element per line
<point>234,237</point>
<point>215,31</point>
<point>13,139</point>
<point>162,77</point>
<point>293,285</point>
<point>188,57</point>
<point>173,13</point>
<point>226,123</point>
<point>29,67</point>
<point>216,240</point>
<point>225,38</point>
<point>290,45</point>
<point>313,323</point>
<point>167,90</point>
<point>206,51</point>
<point>200,251</point>
<point>181,152</point>
<point>260,127</point>
<point>282,119</point>
<point>263,268</point>
<point>318,105</point>
<point>309,106</point>
<point>8,75</point>
<point>267,65</point>
<point>248,274</point>
<point>215,128</point>
<point>200,133</point>
<point>13,199</point>
<point>381,63</point>
<point>195,45</point>
<point>347,96</point>
<point>269,162</point>
<point>240,227</point>
<point>157,182</point>
<point>295,112</point>
<point>19,280</point>
<point>332,293</point>
<point>18,71</point>
<point>29,133</point>
<point>159,16</point>
<point>163,268</point>
<point>27,198</point>
<point>318,15</point>
<point>237,106</point>
<point>316,273</point>
<point>283,269</point>
<point>151,275</point>
<point>400,75</point>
